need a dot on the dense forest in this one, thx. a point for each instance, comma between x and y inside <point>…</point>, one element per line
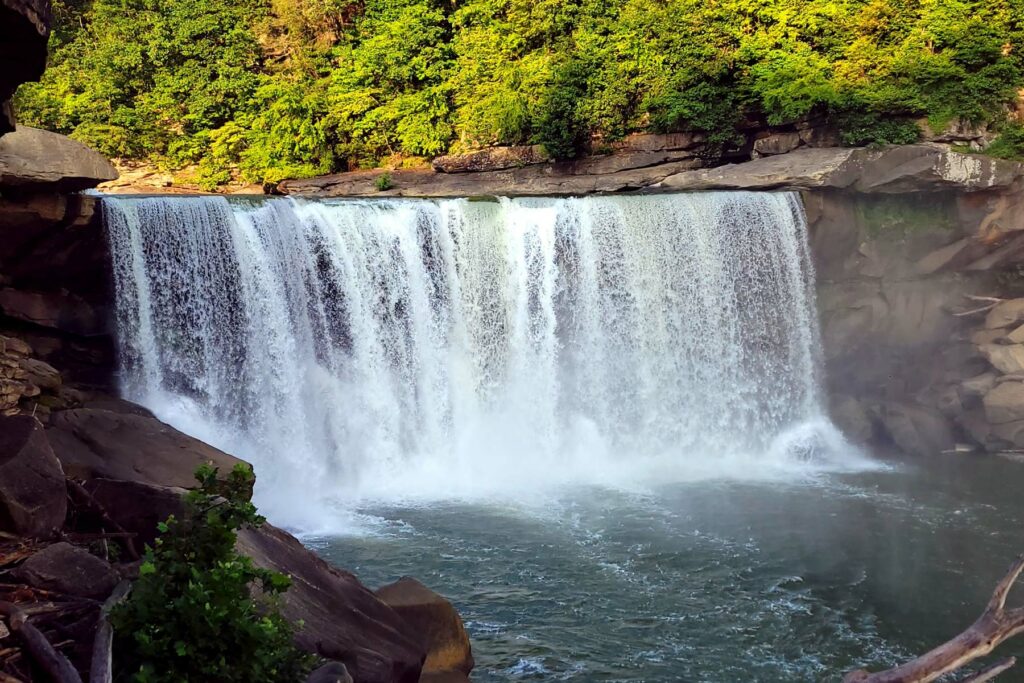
<point>270,89</point>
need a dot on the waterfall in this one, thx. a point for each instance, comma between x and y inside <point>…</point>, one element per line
<point>358,349</point>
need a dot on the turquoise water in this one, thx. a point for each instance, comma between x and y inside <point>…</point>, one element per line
<point>711,581</point>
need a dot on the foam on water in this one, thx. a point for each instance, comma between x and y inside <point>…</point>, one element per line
<point>426,350</point>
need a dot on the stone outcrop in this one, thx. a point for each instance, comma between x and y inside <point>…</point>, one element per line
<point>491,159</point>
<point>33,159</point>
<point>340,618</point>
<point>890,170</point>
<point>24,32</point>
<point>32,493</point>
<point>103,444</point>
<point>435,623</point>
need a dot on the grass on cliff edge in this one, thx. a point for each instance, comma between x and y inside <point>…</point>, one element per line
<point>191,615</point>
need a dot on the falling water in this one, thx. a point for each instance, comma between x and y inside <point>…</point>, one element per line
<point>427,349</point>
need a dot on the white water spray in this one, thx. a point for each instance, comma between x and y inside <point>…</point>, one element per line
<point>432,349</point>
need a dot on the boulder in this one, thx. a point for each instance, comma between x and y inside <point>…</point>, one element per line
<point>978,386</point>
<point>331,672</point>
<point>888,170</point>
<point>1007,314</point>
<point>1006,358</point>
<point>102,444</point>
<point>1016,336</point>
<point>340,618</point>
<point>852,419</point>
<point>56,310</point>
<point>659,142</point>
<point>33,159</point>
<point>1005,403</point>
<point>137,507</point>
<point>491,159</point>
<point>915,429</point>
<point>68,569</point>
<point>33,496</point>
<point>777,143</point>
<point>40,373</point>
<point>1011,433</point>
<point>435,622</point>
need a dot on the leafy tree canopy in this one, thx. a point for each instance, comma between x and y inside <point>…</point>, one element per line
<point>285,88</point>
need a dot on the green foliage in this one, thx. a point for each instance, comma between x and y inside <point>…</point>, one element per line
<point>1010,143</point>
<point>191,616</point>
<point>383,182</point>
<point>269,89</point>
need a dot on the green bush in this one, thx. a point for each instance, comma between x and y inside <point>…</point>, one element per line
<point>383,182</point>
<point>191,616</point>
<point>1010,143</point>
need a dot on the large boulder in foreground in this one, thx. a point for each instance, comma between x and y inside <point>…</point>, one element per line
<point>33,496</point>
<point>341,619</point>
<point>435,622</point>
<point>33,159</point>
<point>93,443</point>
<point>68,569</point>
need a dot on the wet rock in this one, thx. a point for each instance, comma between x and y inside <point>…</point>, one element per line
<point>32,159</point>
<point>102,444</point>
<point>33,496</point>
<point>340,618</point>
<point>68,569</point>
<point>436,623</point>
<point>916,430</point>
<point>852,419</point>
<point>1007,358</point>
<point>979,385</point>
<point>1007,314</point>
<point>1005,403</point>
<point>332,672</point>
<point>1012,433</point>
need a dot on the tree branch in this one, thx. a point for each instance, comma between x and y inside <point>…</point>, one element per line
<point>995,625</point>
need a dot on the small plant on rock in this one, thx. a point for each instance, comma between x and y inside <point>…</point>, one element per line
<point>192,615</point>
<point>383,182</point>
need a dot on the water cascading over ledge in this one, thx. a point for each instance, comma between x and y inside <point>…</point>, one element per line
<point>426,349</point>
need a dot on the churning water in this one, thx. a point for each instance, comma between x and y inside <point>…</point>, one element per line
<point>415,349</point>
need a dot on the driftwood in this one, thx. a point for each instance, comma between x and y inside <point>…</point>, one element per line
<point>995,625</point>
<point>990,302</point>
<point>56,665</point>
<point>102,668</point>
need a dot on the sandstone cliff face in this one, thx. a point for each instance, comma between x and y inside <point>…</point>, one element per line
<point>24,30</point>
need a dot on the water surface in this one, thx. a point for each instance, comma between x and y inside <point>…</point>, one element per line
<point>711,581</point>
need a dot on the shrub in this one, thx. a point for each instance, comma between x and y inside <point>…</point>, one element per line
<point>383,182</point>
<point>191,615</point>
<point>1010,143</point>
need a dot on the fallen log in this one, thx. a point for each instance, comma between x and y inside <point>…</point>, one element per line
<point>995,625</point>
<point>56,665</point>
<point>102,668</point>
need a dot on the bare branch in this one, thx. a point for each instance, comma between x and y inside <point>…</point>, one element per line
<point>994,626</point>
<point>49,660</point>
